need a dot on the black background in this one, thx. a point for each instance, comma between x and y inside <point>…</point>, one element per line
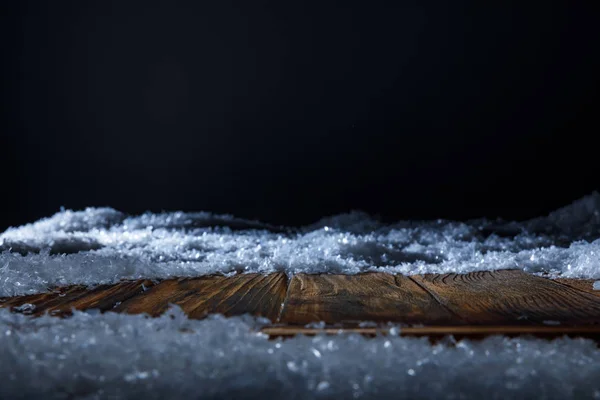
<point>287,112</point>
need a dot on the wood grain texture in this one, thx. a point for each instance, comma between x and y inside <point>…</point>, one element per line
<point>484,303</point>
<point>511,297</point>
<point>585,285</point>
<point>107,297</point>
<point>260,295</point>
<point>365,297</point>
<point>44,301</point>
<point>62,300</point>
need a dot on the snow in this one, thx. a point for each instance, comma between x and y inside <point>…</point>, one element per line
<point>93,355</point>
<point>112,355</point>
<point>102,245</point>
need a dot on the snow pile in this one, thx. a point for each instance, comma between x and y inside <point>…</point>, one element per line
<point>102,245</point>
<point>126,356</point>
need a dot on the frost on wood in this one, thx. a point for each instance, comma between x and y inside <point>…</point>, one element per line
<point>130,356</point>
<point>102,245</point>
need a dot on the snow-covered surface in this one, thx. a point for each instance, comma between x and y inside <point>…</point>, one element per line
<point>102,245</point>
<point>129,356</point>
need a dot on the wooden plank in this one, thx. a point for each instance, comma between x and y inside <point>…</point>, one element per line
<point>582,284</point>
<point>511,297</point>
<point>106,297</point>
<point>61,301</point>
<point>257,294</point>
<point>365,297</point>
<point>490,298</point>
<point>37,304</point>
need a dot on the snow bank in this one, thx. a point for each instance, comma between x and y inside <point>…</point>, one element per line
<point>102,245</point>
<point>130,356</point>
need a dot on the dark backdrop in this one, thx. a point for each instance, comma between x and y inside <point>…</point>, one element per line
<point>286,112</point>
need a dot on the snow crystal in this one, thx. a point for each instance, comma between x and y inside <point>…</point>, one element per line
<point>102,245</point>
<point>131,356</point>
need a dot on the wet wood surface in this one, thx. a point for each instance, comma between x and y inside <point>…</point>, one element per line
<point>476,304</point>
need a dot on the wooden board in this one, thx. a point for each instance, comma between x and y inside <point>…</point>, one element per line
<point>366,297</point>
<point>260,295</point>
<point>586,285</point>
<point>44,301</point>
<point>471,305</point>
<point>106,297</point>
<point>62,300</point>
<point>510,297</point>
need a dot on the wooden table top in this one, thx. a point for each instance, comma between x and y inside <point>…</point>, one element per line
<point>478,304</point>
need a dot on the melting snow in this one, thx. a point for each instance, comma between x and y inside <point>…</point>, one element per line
<point>130,356</point>
<point>102,245</point>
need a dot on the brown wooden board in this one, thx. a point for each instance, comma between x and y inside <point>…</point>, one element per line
<point>511,297</point>
<point>366,297</point>
<point>582,284</point>
<point>260,295</point>
<point>62,300</point>
<point>44,301</point>
<point>106,297</point>
<point>469,305</point>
